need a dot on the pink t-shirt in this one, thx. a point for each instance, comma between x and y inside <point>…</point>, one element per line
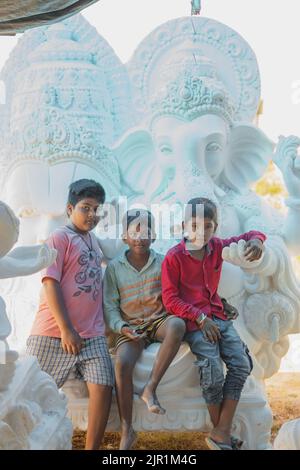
<point>78,270</point>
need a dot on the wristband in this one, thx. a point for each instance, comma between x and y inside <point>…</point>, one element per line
<point>200,320</point>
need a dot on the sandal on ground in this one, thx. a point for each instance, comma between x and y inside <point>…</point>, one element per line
<point>236,443</point>
<point>214,445</point>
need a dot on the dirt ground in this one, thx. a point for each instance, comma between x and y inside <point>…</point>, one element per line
<point>284,395</point>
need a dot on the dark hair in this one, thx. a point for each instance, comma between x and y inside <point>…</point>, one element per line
<point>85,188</point>
<point>210,209</point>
<point>133,214</point>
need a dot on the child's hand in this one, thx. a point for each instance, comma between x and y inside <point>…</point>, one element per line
<point>132,334</point>
<point>230,311</point>
<point>253,250</point>
<point>210,330</point>
<point>71,342</point>
<point>136,321</point>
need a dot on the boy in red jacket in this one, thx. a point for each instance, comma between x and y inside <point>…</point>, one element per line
<point>190,278</point>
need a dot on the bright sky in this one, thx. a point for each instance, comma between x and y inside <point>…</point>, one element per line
<point>270,26</point>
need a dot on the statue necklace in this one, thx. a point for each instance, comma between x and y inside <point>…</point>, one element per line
<point>82,238</point>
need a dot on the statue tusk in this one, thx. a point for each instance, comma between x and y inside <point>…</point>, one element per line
<point>274,331</point>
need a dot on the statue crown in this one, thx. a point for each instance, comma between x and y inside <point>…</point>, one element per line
<point>191,96</point>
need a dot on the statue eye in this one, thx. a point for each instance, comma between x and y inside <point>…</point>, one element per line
<point>213,147</point>
<point>165,149</point>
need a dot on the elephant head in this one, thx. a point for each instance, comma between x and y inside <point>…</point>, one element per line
<point>37,190</point>
<point>191,146</point>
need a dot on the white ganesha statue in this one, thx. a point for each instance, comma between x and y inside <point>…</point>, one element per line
<point>193,87</point>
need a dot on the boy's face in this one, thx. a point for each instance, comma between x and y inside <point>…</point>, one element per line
<point>199,230</point>
<point>85,214</point>
<point>138,237</point>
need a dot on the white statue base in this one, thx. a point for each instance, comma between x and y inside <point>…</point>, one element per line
<point>288,437</point>
<point>186,409</point>
<point>33,412</point>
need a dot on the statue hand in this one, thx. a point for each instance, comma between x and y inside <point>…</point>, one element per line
<point>240,254</point>
<point>40,256</point>
<point>46,257</point>
<point>287,159</point>
<point>26,260</point>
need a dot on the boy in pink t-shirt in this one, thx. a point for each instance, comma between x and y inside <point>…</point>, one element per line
<point>69,331</point>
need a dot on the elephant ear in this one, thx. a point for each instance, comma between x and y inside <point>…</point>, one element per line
<point>250,151</point>
<point>135,154</point>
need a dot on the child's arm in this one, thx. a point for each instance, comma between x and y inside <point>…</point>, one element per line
<point>254,244</point>
<point>51,277</point>
<point>170,272</point>
<point>111,301</point>
<point>70,340</point>
<point>112,308</point>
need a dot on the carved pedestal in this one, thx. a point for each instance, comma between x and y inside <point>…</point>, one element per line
<point>179,392</point>
<point>288,437</point>
<point>33,411</point>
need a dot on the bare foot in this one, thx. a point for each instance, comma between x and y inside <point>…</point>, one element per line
<point>152,402</point>
<point>128,439</point>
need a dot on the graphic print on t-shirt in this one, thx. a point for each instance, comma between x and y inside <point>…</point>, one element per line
<point>88,278</point>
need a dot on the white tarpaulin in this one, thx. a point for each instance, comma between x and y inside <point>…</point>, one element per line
<point>18,15</point>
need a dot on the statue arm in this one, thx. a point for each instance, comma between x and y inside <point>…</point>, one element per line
<point>247,236</point>
<point>26,260</point>
<point>288,161</point>
<point>257,272</point>
<point>291,228</point>
<point>110,247</point>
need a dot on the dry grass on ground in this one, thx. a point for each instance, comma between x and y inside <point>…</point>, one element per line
<point>284,395</point>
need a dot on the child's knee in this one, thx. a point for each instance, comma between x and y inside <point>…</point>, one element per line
<point>176,327</point>
<point>246,366</point>
<point>241,363</point>
<point>123,366</point>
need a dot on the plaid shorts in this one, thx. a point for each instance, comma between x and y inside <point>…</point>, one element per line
<point>92,364</point>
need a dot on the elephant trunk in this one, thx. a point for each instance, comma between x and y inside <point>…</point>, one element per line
<point>193,182</point>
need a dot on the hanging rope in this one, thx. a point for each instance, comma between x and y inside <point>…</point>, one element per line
<point>196,7</point>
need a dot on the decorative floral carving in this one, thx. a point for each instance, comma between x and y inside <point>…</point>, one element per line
<point>268,316</point>
<point>191,96</point>
<point>148,62</point>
